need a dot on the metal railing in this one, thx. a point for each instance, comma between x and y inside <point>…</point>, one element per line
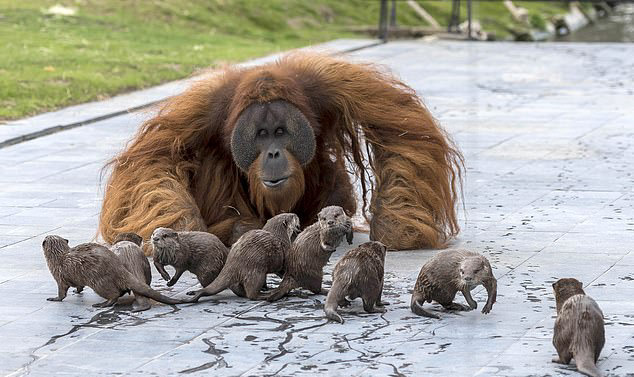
<point>454,20</point>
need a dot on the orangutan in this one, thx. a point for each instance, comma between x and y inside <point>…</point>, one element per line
<point>245,144</point>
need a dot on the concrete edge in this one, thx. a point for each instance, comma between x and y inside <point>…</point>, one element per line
<point>19,131</point>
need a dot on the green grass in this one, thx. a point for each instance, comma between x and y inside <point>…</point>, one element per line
<point>113,46</point>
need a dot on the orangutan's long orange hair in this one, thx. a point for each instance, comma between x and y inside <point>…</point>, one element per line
<point>178,170</point>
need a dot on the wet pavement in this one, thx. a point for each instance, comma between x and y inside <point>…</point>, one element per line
<point>548,137</point>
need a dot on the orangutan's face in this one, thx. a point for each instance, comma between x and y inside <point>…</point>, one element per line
<point>272,135</point>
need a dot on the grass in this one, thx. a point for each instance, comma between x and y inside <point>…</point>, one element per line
<point>113,46</point>
<point>109,47</point>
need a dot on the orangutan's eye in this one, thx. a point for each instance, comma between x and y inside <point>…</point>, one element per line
<point>263,133</point>
<point>279,131</point>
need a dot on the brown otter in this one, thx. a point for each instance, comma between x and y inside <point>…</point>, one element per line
<point>579,328</point>
<point>201,253</point>
<point>311,250</point>
<point>447,273</point>
<point>255,254</point>
<point>95,266</point>
<point>359,273</point>
<point>127,247</point>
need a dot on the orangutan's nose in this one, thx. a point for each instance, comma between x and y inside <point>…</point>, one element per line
<point>274,154</point>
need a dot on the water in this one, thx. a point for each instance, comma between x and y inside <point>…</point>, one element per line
<point>618,27</point>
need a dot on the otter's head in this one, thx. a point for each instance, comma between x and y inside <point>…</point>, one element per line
<point>131,237</point>
<point>283,225</point>
<point>376,248</point>
<point>166,243</point>
<point>333,224</point>
<point>55,245</point>
<point>565,288</point>
<point>474,270</point>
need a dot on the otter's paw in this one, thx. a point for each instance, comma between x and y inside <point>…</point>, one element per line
<point>458,307</point>
<point>54,299</point>
<point>139,307</point>
<point>335,317</point>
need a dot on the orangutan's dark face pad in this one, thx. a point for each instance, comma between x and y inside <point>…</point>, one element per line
<point>270,130</point>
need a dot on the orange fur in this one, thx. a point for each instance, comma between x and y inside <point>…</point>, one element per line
<point>178,170</point>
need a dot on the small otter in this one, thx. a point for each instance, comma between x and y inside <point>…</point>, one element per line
<point>447,273</point>
<point>127,247</point>
<point>311,250</point>
<point>201,253</point>
<point>579,329</point>
<point>255,254</point>
<point>359,273</point>
<point>95,266</point>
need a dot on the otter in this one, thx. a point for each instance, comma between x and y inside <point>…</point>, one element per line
<point>200,253</point>
<point>255,254</point>
<point>311,250</point>
<point>359,273</point>
<point>579,328</point>
<point>127,247</point>
<point>95,266</point>
<point>447,273</point>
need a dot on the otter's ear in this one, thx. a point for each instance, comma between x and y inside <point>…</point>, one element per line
<point>65,240</point>
<point>554,284</point>
<point>580,284</point>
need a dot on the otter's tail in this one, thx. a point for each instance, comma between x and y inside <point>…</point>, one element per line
<point>586,365</point>
<point>222,282</point>
<point>588,341</point>
<point>417,306</point>
<point>142,289</point>
<point>335,295</point>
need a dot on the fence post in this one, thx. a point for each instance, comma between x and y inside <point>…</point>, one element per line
<point>469,19</point>
<point>383,21</point>
<point>454,19</point>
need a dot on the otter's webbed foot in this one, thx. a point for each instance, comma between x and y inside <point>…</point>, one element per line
<point>457,307</point>
<point>54,298</point>
<point>334,316</point>
<point>105,304</point>
<point>558,361</point>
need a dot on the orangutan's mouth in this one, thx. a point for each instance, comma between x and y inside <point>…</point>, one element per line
<point>274,182</point>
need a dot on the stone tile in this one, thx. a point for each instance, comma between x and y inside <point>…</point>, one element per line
<point>548,194</point>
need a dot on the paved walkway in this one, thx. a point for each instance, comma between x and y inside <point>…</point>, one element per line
<point>547,133</point>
